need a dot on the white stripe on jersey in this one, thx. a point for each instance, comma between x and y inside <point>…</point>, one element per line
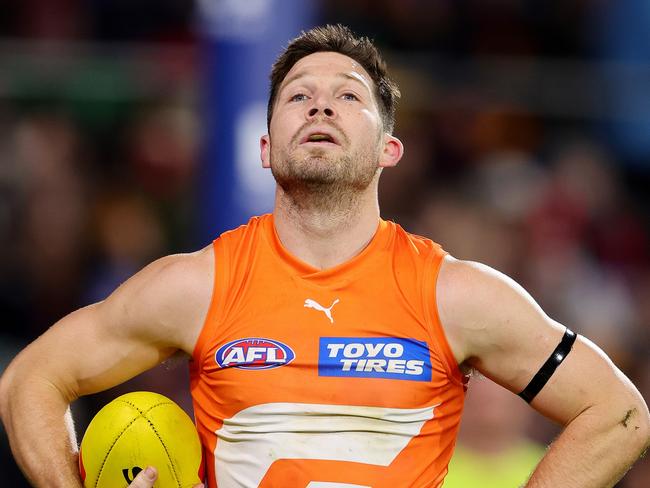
<point>250,441</point>
<point>325,484</point>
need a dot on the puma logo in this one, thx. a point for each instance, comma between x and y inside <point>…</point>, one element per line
<point>309,303</point>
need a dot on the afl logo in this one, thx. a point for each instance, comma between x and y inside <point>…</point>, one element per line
<point>254,353</point>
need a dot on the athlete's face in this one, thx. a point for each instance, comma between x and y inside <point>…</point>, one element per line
<point>326,128</point>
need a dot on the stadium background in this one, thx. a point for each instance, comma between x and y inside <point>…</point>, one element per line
<point>128,130</point>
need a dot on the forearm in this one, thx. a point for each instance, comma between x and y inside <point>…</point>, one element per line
<point>595,450</point>
<point>38,422</point>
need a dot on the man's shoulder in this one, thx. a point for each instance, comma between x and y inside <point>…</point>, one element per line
<point>464,276</point>
<point>254,225</point>
<point>417,242</point>
<point>172,279</point>
<point>183,270</point>
<point>167,300</point>
<point>184,265</point>
<point>476,303</point>
<point>463,283</point>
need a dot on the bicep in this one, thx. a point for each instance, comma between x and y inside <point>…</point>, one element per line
<point>86,352</point>
<point>506,336</point>
<point>148,318</point>
<point>587,377</point>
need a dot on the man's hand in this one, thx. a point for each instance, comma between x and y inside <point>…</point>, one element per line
<point>147,477</point>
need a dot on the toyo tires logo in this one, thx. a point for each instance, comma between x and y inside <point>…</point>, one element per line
<point>391,358</point>
<point>254,353</point>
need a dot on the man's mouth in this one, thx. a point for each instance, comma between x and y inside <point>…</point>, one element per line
<point>319,137</point>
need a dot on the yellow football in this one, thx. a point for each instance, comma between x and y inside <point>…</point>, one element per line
<point>137,430</point>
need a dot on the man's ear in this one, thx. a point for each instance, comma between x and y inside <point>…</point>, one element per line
<point>265,151</point>
<point>392,151</point>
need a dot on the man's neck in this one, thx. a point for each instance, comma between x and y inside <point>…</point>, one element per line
<point>327,237</point>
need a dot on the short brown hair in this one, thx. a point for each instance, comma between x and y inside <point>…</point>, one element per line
<point>339,39</point>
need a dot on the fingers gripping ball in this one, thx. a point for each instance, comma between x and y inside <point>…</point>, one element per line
<point>137,430</point>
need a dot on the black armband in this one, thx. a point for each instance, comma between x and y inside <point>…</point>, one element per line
<point>546,371</point>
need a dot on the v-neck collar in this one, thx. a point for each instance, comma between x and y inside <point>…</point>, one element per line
<point>347,270</point>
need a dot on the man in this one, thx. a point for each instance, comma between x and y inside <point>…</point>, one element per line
<point>325,342</point>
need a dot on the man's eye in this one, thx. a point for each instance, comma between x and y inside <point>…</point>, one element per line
<point>349,96</point>
<point>298,97</point>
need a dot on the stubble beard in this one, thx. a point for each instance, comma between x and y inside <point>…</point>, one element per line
<point>319,182</point>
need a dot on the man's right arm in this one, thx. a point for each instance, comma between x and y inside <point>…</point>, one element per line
<point>157,312</point>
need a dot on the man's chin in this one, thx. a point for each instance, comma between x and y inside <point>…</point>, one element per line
<point>309,179</point>
<point>317,151</point>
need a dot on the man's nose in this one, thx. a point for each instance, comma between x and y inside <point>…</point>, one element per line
<point>327,111</point>
<point>321,106</point>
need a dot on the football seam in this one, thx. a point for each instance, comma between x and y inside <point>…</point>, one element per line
<point>144,414</point>
<point>108,452</point>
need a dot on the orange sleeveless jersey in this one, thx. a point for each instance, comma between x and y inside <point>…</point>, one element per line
<point>325,378</point>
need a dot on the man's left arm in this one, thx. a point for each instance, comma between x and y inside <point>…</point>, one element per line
<point>494,326</point>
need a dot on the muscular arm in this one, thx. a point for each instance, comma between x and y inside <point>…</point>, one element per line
<point>505,335</point>
<point>157,312</point>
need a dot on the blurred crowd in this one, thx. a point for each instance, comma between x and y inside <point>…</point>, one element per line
<point>94,187</point>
